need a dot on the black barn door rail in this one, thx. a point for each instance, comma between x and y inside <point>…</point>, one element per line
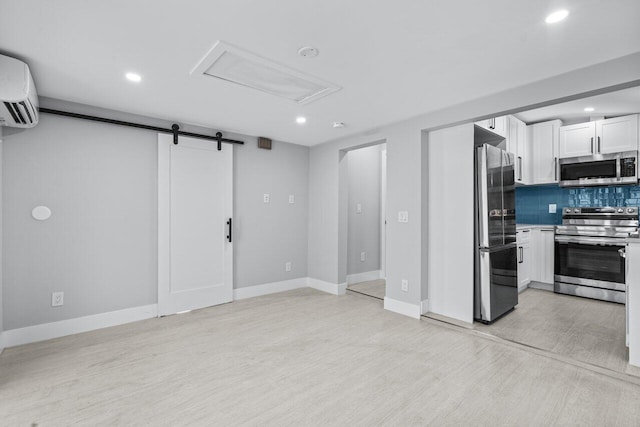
<point>175,129</point>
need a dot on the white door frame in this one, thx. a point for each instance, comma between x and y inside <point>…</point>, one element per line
<point>383,214</point>
<point>165,303</point>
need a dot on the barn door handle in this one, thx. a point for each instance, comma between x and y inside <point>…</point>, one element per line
<point>230,227</point>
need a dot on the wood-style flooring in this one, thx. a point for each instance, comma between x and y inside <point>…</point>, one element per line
<point>587,330</point>
<point>372,288</point>
<point>297,358</point>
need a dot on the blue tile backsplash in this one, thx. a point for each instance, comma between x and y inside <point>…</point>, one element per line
<point>532,202</point>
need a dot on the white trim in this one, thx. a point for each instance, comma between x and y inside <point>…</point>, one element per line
<point>61,328</point>
<point>270,288</point>
<point>424,306</point>
<point>401,307</point>
<point>332,288</point>
<point>364,277</point>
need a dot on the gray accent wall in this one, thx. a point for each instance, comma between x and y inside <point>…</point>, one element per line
<point>100,245</point>
<point>268,235</point>
<point>364,180</point>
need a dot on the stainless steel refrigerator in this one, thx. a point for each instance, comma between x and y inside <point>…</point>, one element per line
<point>496,275</point>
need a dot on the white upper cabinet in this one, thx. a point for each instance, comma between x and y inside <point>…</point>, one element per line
<point>497,125</point>
<point>577,140</point>
<point>599,137</point>
<point>544,147</point>
<point>617,134</point>
<point>517,144</point>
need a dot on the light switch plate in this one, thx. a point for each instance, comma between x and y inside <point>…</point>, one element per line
<point>266,198</point>
<point>403,216</point>
<point>405,285</point>
<point>552,208</point>
<point>292,199</point>
<point>358,208</point>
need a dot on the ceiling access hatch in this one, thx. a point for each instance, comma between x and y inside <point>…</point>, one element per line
<point>232,64</point>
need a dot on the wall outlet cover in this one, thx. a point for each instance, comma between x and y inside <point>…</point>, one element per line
<point>358,208</point>
<point>405,285</point>
<point>266,198</point>
<point>363,256</point>
<point>552,208</point>
<point>292,199</point>
<point>403,216</point>
<point>57,299</point>
<point>287,266</point>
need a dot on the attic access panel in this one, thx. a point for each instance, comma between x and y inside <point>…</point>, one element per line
<point>232,64</point>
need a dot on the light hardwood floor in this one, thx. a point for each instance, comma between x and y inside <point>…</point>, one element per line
<point>300,358</point>
<point>587,330</point>
<point>372,288</point>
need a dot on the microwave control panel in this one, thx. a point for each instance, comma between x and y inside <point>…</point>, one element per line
<point>628,166</point>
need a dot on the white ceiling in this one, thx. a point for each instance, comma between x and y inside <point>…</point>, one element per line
<point>393,59</point>
<point>613,104</point>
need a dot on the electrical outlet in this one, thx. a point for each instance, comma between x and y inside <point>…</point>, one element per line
<point>403,216</point>
<point>287,266</point>
<point>358,208</point>
<point>57,299</point>
<point>363,256</point>
<point>292,199</point>
<point>405,285</point>
<point>552,207</point>
<point>266,198</point>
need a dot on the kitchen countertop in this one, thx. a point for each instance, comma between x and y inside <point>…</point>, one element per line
<point>536,226</point>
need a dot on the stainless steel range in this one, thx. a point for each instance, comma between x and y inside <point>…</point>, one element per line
<point>590,251</point>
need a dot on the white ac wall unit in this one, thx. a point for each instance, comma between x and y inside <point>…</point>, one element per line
<point>18,97</point>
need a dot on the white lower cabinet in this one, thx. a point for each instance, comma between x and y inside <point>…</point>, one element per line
<point>523,239</point>
<point>543,258</point>
<point>535,255</point>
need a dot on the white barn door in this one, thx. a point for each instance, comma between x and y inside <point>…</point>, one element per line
<point>195,205</point>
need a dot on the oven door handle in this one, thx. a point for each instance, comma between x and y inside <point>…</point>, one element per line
<point>590,241</point>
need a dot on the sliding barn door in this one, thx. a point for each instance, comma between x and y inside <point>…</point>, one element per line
<point>195,204</point>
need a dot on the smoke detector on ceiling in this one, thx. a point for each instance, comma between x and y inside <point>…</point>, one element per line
<point>232,64</point>
<point>308,52</point>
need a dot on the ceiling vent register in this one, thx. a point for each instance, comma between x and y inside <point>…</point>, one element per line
<point>232,64</point>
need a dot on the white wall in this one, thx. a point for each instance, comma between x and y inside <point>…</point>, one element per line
<point>450,228</point>
<point>405,172</point>
<point>270,234</point>
<point>100,246</point>
<point>1,239</point>
<point>364,182</point>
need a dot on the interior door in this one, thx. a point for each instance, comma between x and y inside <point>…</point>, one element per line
<point>195,205</point>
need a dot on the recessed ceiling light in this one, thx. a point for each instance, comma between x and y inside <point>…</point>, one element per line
<point>133,77</point>
<point>589,109</point>
<point>557,16</point>
<point>301,120</point>
<point>308,52</point>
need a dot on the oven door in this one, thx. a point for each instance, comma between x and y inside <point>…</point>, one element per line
<point>590,261</point>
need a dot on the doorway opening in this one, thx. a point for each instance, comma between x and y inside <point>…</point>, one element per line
<point>364,188</point>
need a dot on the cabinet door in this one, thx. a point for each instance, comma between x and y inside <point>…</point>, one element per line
<point>523,158</point>
<point>497,125</point>
<point>577,140</point>
<point>617,134</point>
<point>524,266</point>
<point>544,143</point>
<point>546,255</point>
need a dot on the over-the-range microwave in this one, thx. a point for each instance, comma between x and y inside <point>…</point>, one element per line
<point>599,169</point>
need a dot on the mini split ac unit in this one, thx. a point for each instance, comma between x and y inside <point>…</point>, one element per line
<point>18,97</point>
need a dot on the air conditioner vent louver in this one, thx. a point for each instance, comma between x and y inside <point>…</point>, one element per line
<point>232,64</point>
<point>18,97</point>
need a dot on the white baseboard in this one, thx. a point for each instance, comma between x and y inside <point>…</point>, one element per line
<point>61,328</point>
<point>363,277</point>
<point>332,288</point>
<point>424,306</point>
<point>269,288</point>
<point>401,307</point>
